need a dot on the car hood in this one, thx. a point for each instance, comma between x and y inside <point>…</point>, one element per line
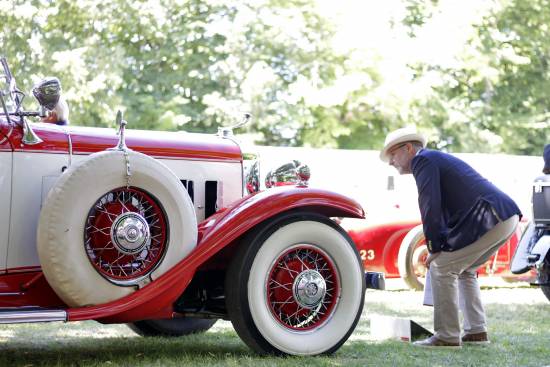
<point>160,144</point>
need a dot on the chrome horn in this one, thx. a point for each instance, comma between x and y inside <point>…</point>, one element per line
<point>29,136</point>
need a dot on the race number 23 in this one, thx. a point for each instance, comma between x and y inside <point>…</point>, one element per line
<point>366,254</point>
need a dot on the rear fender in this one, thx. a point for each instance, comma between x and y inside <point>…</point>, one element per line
<point>215,233</point>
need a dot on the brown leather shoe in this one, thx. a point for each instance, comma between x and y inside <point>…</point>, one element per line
<point>432,341</point>
<point>476,338</point>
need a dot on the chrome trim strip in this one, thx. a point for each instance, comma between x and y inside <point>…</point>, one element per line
<point>70,147</point>
<point>21,316</point>
<point>229,160</point>
<point>23,269</point>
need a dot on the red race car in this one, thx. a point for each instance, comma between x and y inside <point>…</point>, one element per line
<point>399,250</point>
<point>167,232</point>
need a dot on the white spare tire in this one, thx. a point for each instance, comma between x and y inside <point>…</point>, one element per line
<point>101,236</point>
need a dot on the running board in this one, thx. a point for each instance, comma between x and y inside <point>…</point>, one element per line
<point>23,315</point>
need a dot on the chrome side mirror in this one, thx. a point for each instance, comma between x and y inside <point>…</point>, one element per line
<point>47,92</point>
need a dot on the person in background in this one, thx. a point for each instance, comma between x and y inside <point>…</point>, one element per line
<point>52,102</point>
<point>59,114</point>
<point>465,220</point>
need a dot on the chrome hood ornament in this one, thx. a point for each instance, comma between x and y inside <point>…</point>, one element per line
<point>121,128</point>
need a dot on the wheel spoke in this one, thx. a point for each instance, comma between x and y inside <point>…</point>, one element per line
<point>113,257</point>
<point>112,217</point>
<point>302,288</point>
<point>290,271</point>
<point>104,230</point>
<point>304,265</point>
<point>279,285</point>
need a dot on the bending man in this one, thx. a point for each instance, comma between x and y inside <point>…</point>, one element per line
<point>465,220</point>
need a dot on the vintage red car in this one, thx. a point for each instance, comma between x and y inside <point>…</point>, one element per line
<point>167,232</point>
<point>398,249</point>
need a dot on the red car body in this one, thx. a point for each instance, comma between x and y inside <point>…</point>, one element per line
<point>26,286</point>
<point>379,246</point>
<point>158,229</point>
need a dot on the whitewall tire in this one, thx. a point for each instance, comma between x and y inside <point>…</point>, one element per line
<point>411,259</point>
<point>296,287</point>
<point>100,239</point>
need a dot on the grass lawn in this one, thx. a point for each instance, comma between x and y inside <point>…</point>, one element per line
<point>519,327</point>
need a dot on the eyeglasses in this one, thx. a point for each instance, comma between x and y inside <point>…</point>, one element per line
<point>396,148</point>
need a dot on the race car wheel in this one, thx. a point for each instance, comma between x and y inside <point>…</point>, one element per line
<point>103,233</point>
<point>172,327</point>
<point>295,286</point>
<point>413,253</point>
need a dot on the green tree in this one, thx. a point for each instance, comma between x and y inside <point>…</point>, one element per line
<point>174,64</point>
<point>497,99</point>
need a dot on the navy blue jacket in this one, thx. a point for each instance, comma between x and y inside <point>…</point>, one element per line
<point>457,204</point>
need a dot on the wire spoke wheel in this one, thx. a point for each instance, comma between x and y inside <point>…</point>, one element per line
<point>419,257</point>
<point>125,235</point>
<point>99,240</point>
<point>302,288</point>
<point>411,260</point>
<point>295,286</point>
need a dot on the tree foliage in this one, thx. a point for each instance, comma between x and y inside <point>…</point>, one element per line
<point>197,64</point>
<point>173,64</point>
<point>496,99</point>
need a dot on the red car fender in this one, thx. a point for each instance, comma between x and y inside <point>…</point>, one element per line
<point>215,233</point>
<point>379,245</point>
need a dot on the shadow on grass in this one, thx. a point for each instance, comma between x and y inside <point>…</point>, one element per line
<point>122,351</point>
<point>519,334</point>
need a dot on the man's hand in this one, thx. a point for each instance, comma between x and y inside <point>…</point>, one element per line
<point>431,257</point>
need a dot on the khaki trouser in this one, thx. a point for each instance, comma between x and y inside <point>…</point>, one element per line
<point>454,274</point>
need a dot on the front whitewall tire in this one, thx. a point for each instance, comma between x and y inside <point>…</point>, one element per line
<point>296,286</point>
<point>321,339</point>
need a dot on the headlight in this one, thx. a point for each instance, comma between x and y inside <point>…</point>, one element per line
<point>292,173</point>
<point>251,172</point>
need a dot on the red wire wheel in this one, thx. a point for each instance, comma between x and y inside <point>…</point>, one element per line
<point>125,235</point>
<point>419,257</point>
<point>411,258</point>
<point>303,288</point>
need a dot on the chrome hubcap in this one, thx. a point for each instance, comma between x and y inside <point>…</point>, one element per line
<point>309,288</point>
<point>130,233</point>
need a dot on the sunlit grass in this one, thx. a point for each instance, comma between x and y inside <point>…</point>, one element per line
<point>519,328</point>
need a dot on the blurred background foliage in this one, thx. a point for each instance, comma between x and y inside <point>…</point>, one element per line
<point>195,65</point>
